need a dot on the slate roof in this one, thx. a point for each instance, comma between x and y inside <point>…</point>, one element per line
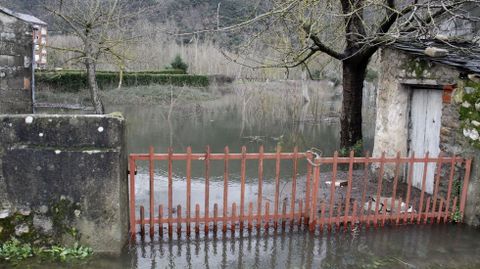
<point>24,17</point>
<point>462,55</point>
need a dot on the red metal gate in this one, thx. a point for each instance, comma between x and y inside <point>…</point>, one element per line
<point>354,196</point>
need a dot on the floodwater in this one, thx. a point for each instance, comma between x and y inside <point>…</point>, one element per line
<point>251,115</point>
<point>438,246</point>
<point>270,117</point>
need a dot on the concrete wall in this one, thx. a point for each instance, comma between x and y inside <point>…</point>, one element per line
<point>72,162</point>
<point>393,119</point>
<point>16,51</point>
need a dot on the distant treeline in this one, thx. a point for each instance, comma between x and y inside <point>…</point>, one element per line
<point>75,80</point>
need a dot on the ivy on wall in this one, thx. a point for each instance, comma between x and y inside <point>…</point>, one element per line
<point>468,96</point>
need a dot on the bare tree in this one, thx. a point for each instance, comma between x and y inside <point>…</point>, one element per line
<point>350,31</point>
<point>105,28</point>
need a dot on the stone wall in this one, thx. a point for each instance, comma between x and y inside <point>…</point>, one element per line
<point>393,103</point>
<point>16,50</point>
<point>398,72</point>
<point>69,172</point>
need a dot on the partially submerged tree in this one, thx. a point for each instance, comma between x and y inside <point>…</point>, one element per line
<point>350,31</point>
<point>105,28</point>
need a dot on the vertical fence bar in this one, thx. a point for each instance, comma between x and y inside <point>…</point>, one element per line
<point>277,188</point>
<point>332,188</point>
<point>197,219</point>
<point>353,220</point>
<point>260,187</point>
<point>294,187</point>
<point>207,188</point>
<point>133,224</point>
<point>284,214</point>
<point>225,190</point>
<point>142,221</point>
<point>466,180</point>
<point>170,190</point>
<point>424,183</point>
<point>152,190</point>
<point>454,206</point>
<point>313,207</point>
<point>365,178</point>
<point>189,187</point>
<point>349,189</point>
<point>450,183</point>
<point>368,216</point>
<point>440,209</point>
<point>395,183</point>
<point>307,189</point>
<point>215,219</point>
<point>234,216</point>
<point>384,211</point>
<point>409,187</point>
<point>250,212</point>
<point>379,189</point>
<point>425,220</point>
<point>179,220</point>
<point>300,208</point>
<point>323,208</point>
<point>267,216</point>
<point>242,187</point>
<point>399,209</point>
<point>437,183</point>
<point>160,223</point>
<point>339,213</point>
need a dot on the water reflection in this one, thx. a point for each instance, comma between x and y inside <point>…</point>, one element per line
<point>391,247</point>
<point>245,115</point>
<point>404,247</point>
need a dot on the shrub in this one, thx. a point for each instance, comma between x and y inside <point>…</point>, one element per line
<point>179,64</point>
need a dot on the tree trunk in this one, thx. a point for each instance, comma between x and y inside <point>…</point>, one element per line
<point>351,118</point>
<point>93,86</point>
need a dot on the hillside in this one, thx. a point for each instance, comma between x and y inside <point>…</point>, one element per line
<point>187,14</point>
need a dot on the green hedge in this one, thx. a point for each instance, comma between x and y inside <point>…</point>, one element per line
<point>164,71</point>
<point>73,81</point>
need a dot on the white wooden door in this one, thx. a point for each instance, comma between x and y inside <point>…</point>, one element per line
<point>426,114</point>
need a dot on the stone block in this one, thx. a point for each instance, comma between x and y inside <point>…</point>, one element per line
<point>46,159</point>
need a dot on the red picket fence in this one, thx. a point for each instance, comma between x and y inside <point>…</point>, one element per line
<point>342,204</point>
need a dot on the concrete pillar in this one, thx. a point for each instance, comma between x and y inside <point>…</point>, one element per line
<point>75,164</point>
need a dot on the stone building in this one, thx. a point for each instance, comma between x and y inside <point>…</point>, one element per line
<point>429,101</point>
<point>17,60</point>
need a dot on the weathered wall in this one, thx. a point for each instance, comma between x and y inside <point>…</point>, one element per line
<point>394,99</point>
<point>16,50</point>
<point>393,119</point>
<point>79,161</point>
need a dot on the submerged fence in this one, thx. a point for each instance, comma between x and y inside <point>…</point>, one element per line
<point>337,192</point>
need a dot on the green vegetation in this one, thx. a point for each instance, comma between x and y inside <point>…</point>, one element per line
<point>178,64</point>
<point>456,216</point>
<point>21,238</point>
<point>14,251</point>
<point>357,149</point>
<point>73,81</point>
<point>468,96</point>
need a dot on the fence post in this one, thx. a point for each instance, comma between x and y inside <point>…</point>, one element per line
<point>313,207</point>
